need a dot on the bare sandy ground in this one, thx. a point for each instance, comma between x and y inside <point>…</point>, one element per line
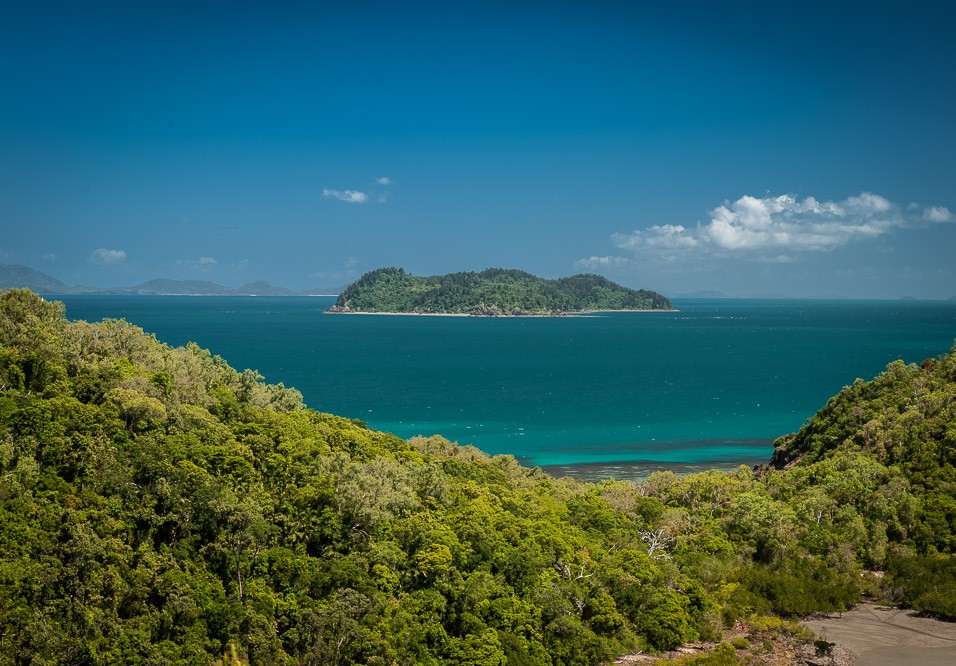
<point>885,636</point>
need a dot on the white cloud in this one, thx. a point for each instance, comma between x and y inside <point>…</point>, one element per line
<point>779,259</point>
<point>597,263</point>
<point>784,222</point>
<point>937,214</point>
<point>201,261</point>
<point>775,229</point>
<point>661,237</point>
<point>384,180</point>
<point>867,201</point>
<point>348,196</point>
<point>49,256</point>
<point>105,256</point>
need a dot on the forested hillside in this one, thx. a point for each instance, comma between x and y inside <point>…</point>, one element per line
<point>159,507</point>
<point>494,291</point>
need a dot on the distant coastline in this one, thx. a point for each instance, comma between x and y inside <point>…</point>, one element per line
<point>16,276</point>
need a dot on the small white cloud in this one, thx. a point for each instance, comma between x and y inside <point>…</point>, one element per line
<point>598,263</point>
<point>201,261</point>
<point>868,202</point>
<point>348,196</point>
<point>105,256</point>
<point>49,257</point>
<point>384,180</point>
<point>662,237</point>
<point>937,214</point>
<point>779,259</point>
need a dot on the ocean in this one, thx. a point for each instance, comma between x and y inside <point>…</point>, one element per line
<point>615,394</point>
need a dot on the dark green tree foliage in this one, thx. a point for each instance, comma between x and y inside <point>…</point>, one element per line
<point>924,582</point>
<point>874,472</point>
<point>894,441</point>
<point>159,507</point>
<point>492,291</point>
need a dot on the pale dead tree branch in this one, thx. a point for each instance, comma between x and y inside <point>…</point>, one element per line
<point>567,574</point>
<point>657,540</point>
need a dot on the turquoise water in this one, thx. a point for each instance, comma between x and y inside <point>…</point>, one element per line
<point>617,393</point>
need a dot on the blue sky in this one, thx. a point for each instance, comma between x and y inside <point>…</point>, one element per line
<point>805,150</point>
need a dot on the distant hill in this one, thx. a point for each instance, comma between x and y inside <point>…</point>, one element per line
<point>162,286</point>
<point>23,277</point>
<point>492,292</point>
<point>15,276</point>
<point>261,288</point>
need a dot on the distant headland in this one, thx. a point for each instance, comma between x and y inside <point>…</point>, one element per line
<point>494,292</point>
<point>16,276</point>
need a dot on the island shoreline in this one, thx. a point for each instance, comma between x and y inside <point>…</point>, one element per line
<point>579,313</point>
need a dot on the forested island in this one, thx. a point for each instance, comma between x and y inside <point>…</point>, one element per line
<point>158,506</point>
<point>492,292</point>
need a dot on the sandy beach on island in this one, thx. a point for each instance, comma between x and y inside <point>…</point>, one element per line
<point>886,636</point>
<point>400,314</point>
<point>583,313</point>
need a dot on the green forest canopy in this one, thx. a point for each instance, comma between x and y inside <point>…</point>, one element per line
<point>159,507</point>
<point>490,292</point>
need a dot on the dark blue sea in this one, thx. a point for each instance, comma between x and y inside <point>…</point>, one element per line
<point>616,394</point>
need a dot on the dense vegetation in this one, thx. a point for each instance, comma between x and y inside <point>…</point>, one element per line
<point>899,431</point>
<point>494,291</point>
<point>158,507</point>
